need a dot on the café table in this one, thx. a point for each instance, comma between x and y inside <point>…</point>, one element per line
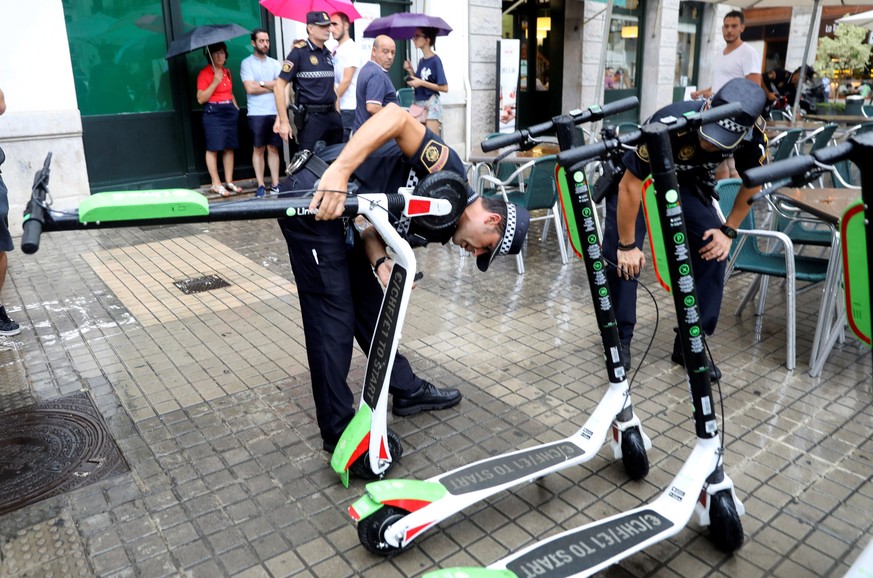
<point>480,159</point>
<point>825,205</point>
<point>839,118</point>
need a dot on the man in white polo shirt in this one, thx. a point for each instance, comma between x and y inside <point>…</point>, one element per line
<point>258,73</point>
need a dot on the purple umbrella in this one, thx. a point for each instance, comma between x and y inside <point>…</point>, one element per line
<point>402,25</point>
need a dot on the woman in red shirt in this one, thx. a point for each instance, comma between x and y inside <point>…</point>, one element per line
<point>220,115</point>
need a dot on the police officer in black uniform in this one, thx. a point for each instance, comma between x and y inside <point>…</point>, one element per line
<point>696,155</point>
<point>309,67</point>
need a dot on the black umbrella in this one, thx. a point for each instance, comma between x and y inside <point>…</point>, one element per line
<point>204,36</point>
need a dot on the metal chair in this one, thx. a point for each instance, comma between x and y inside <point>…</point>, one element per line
<point>747,256</point>
<point>536,191</point>
<point>867,110</point>
<point>784,144</point>
<point>843,175</point>
<point>405,96</point>
<point>779,115</point>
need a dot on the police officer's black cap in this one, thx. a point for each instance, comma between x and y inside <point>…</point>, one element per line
<point>729,132</point>
<point>517,223</point>
<point>318,17</point>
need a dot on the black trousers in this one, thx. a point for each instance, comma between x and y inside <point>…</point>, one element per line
<point>320,126</point>
<point>340,300</point>
<point>708,275</point>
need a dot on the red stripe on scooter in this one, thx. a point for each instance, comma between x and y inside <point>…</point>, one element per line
<point>383,452</point>
<point>362,447</point>
<point>407,504</point>
<point>413,532</point>
<point>355,515</point>
<point>417,207</point>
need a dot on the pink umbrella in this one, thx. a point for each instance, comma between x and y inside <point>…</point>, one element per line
<point>297,9</point>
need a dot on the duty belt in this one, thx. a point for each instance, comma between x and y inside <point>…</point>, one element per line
<point>315,107</point>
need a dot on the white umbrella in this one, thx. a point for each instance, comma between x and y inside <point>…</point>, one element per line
<point>816,5</point>
<point>864,19</point>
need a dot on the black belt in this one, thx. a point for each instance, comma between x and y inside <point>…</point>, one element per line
<point>316,107</point>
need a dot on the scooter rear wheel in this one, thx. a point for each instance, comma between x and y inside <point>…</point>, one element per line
<point>371,531</point>
<point>361,467</point>
<point>633,454</point>
<point>725,527</point>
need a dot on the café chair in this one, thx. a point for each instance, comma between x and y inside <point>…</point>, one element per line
<point>537,190</point>
<point>784,144</point>
<point>405,96</point>
<point>746,255</point>
<point>777,114</point>
<point>867,110</point>
<point>843,176</point>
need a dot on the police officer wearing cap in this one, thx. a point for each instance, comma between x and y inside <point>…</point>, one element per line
<point>309,67</point>
<point>338,271</point>
<point>696,154</point>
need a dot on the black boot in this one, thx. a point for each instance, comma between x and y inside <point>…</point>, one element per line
<point>626,355</point>
<point>428,398</point>
<point>679,359</point>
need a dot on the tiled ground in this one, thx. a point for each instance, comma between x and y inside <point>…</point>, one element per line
<point>208,398</point>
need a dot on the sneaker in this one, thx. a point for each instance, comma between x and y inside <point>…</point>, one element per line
<point>626,355</point>
<point>274,190</point>
<point>261,191</point>
<point>428,398</point>
<point>679,359</point>
<point>7,326</point>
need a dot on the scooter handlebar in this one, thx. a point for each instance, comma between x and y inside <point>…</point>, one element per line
<point>34,213</point>
<point>590,114</point>
<point>796,165</point>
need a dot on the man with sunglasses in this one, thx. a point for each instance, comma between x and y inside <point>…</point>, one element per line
<point>696,154</point>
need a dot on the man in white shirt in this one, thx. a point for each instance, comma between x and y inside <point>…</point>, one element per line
<point>258,73</point>
<point>347,61</point>
<point>738,60</point>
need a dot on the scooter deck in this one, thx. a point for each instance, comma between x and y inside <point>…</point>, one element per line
<point>439,497</point>
<point>591,548</point>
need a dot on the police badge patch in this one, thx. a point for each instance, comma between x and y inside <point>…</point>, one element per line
<point>434,156</point>
<point>686,153</point>
<point>287,65</point>
<point>313,59</point>
<point>643,153</point>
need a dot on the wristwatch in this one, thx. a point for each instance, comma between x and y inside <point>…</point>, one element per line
<point>262,84</point>
<point>729,232</point>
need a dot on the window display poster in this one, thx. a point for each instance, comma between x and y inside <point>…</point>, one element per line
<point>508,52</point>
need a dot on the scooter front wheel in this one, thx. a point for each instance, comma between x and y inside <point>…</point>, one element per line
<point>633,454</point>
<point>361,467</point>
<point>725,527</point>
<point>371,531</point>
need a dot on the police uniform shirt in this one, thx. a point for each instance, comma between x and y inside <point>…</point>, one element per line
<point>310,69</point>
<point>695,166</point>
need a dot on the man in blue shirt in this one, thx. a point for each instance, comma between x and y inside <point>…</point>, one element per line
<point>374,89</point>
<point>258,73</point>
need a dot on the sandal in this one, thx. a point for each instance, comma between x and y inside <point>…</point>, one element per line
<point>232,188</point>
<point>219,190</point>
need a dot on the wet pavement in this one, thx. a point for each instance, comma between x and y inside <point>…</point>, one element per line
<point>207,397</point>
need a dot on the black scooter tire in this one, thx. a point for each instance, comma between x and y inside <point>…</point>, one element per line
<point>725,527</point>
<point>633,454</point>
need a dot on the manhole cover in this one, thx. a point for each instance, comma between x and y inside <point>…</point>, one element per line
<point>53,447</point>
<point>200,284</point>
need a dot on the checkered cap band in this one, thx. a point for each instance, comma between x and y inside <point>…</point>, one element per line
<point>732,125</point>
<point>509,233</point>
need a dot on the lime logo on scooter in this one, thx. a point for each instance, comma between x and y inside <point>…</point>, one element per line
<point>300,212</point>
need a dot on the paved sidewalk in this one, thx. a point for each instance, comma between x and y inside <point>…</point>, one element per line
<point>207,396</point>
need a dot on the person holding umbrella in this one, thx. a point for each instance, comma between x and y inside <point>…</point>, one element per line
<point>429,79</point>
<point>220,116</point>
<point>309,68</point>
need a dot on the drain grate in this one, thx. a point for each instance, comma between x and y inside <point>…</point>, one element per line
<point>54,447</point>
<point>201,284</point>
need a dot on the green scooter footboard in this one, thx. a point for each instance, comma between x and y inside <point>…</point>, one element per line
<point>855,272</point>
<point>133,205</point>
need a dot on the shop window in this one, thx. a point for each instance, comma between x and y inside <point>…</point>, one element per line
<point>687,49</point>
<point>622,53</point>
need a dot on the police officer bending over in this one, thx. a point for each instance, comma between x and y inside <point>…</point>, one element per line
<point>696,154</point>
<point>334,268</point>
<point>309,67</point>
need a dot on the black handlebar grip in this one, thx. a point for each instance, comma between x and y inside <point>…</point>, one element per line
<point>502,140</point>
<point>586,152</point>
<point>616,107</point>
<point>718,113</point>
<point>31,232</point>
<point>769,173</point>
